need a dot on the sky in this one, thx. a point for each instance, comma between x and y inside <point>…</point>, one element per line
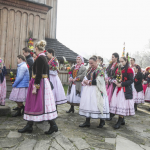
<point>101,27</point>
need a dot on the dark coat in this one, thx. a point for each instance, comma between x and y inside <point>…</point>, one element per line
<point>40,67</point>
<point>30,62</point>
<point>2,75</point>
<point>138,82</point>
<point>127,80</point>
<point>112,74</point>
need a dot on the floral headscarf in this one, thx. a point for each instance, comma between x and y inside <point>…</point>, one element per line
<point>78,66</point>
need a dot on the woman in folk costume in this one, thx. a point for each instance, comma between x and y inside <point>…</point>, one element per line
<point>100,62</point>
<point>75,88</point>
<point>94,101</point>
<point>2,83</point>
<point>20,86</point>
<point>58,91</point>
<point>147,79</point>
<point>110,75</point>
<point>122,102</point>
<point>138,92</point>
<point>144,80</point>
<point>40,103</point>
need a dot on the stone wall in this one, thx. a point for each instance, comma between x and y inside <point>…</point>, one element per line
<point>17,18</point>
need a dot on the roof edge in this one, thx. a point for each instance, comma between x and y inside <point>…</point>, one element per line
<point>41,4</point>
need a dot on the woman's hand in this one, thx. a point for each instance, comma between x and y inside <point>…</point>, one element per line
<point>34,91</point>
<point>73,80</point>
<point>70,79</point>
<point>106,81</point>
<point>118,84</point>
<point>86,82</point>
<point>149,75</point>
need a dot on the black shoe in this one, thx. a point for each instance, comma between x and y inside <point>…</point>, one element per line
<point>111,116</point>
<point>22,107</point>
<point>71,110</point>
<point>119,123</point>
<point>56,109</point>
<point>18,113</point>
<point>102,123</point>
<point>28,128</point>
<point>16,108</point>
<point>86,123</point>
<point>135,107</point>
<point>123,122</point>
<point>53,127</point>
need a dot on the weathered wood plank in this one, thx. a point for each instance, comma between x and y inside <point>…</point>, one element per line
<point>24,25</point>
<point>17,31</point>
<point>10,36</point>
<point>4,32</point>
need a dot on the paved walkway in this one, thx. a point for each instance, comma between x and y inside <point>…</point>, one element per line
<point>135,135</point>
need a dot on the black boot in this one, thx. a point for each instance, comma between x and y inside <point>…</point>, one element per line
<point>53,127</point>
<point>123,122</point>
<point>135,107</point>
<point>56,109</point>
<point>71,109</point>
<point>18,113</point>
<point>28,128</point>
<point>86,123</point>
<point>111,116</point>
<point>102,123</point>
<point>16,108</point>
<point>22,107</point>
<point>118,124</point>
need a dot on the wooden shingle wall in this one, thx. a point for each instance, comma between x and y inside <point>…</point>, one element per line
<point>16,20</point>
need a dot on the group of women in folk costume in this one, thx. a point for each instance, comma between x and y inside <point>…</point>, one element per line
<point>2,82</point>
<point>95,90</point>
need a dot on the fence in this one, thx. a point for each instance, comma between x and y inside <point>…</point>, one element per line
<point>64,76</point>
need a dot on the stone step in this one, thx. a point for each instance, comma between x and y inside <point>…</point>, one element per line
<point>5,111</point>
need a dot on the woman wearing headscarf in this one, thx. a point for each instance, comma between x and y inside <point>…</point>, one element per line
<point>75,88</point>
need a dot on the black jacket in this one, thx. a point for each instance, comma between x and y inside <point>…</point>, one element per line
<point>40,67</point>
<point>138,82</point>
<point>127,81</point>
<point>30,62</point>
<point>2,75</point>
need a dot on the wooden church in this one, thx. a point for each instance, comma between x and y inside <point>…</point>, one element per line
<point>19,18</point>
